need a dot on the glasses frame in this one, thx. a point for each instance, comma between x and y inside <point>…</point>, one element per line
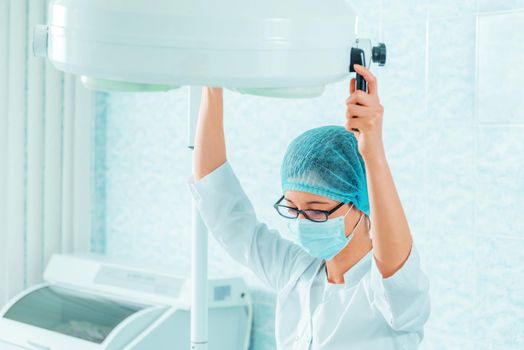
<point>303,212</point>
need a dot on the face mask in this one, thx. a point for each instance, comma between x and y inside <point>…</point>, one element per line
<point>322,240</point>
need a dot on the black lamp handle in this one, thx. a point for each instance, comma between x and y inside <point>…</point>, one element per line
<point>360,83</point>
<point>358,57</point>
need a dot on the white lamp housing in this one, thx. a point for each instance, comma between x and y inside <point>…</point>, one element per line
<point>286,48</point>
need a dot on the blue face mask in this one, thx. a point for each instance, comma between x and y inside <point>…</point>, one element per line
<point>322,240</point>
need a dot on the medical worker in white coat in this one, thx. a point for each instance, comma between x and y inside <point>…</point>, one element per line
<point>352,278</point>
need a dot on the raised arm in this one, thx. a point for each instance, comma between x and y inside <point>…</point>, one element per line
<point>391,236</point>
<point>400,287</point>
<point>210,146</point>
<point>227,211</point>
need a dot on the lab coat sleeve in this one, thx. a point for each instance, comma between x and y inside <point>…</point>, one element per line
<point>403,298</point>
<point>229,216</point>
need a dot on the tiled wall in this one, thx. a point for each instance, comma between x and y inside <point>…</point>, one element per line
<point>454,135</point>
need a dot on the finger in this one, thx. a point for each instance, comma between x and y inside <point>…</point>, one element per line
<point>369,77</point>
<point>352,86</point>
<point>355,123</point>
<point>357,111</point>
<point>349,127</point>
<point>355,132</point>
<point>361,98</point>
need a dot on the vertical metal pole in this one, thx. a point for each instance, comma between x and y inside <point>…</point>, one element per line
<point>199,304</point>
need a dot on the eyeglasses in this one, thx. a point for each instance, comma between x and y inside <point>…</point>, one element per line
<point>310,214</point>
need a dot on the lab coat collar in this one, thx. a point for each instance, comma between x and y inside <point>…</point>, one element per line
<point>356,272</point>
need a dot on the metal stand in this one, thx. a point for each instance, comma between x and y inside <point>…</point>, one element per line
<point>199,302</point>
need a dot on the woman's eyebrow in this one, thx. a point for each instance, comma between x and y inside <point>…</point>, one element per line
<point>310,202</point>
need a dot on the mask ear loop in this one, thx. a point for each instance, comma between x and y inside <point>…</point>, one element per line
<point>358,223</point>
<point>352,205</point>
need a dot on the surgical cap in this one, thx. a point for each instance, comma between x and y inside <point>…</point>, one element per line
<point>326,161</point>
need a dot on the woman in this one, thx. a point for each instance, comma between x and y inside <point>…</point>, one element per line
<point>341,285</point>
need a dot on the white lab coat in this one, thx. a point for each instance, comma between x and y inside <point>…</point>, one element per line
<point>367,312</point>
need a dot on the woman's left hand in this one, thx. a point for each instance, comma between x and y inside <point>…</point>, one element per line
<point>364,112</point>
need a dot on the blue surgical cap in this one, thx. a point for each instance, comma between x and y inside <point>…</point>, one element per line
<point>326,161</point>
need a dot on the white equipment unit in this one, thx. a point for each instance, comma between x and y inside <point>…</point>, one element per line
<point>289,48</point>
<point>89,303</point>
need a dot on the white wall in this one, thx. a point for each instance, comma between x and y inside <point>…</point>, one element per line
<point>45,154</point>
